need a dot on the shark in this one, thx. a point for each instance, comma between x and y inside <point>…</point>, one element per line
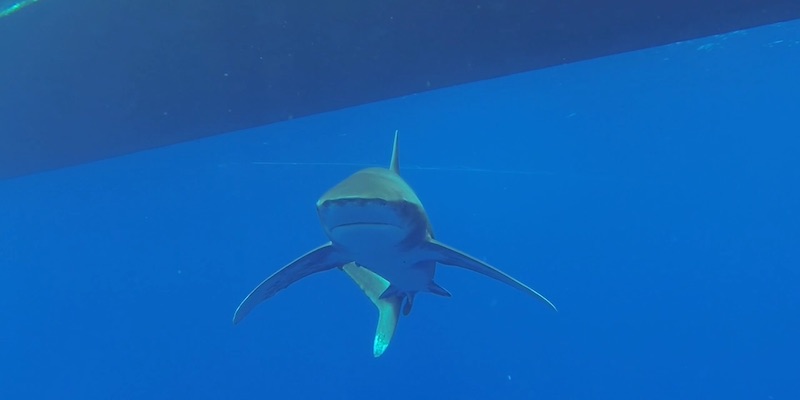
<point>381,237</point>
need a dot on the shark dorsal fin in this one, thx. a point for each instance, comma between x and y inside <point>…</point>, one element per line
<point>395,164</point>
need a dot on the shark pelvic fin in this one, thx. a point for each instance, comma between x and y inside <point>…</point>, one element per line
<point>447,255</point>
<point>374,286</point>
<point>391,291</point>
<point>394,165</point>
<point>435,288</point>
<point>409,303</point>
<point>320,259</point>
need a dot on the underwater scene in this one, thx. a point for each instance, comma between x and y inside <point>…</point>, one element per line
<point>626,227</point>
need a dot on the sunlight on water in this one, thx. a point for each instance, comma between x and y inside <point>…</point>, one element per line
<point>8,7</point>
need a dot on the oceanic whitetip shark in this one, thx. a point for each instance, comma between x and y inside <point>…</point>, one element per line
<point>381,237</point>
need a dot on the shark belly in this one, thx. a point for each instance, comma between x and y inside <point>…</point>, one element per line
<point>402,268</point>
<point>387,251</point>
<point>382,237</point>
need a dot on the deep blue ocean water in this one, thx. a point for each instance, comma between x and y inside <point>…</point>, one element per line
<point>653,196</point>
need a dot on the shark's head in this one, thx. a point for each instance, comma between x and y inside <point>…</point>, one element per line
<point>373,206</point>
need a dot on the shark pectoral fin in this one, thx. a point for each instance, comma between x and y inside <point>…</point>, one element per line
<point>374,286</point>
<point>320,259</point>
<point>447,255</point>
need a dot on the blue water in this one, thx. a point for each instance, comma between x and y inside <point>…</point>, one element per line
<point>653,196</point>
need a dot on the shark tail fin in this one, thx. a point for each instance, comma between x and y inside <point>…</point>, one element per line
<point>374,286</point>
<point>395,163</point>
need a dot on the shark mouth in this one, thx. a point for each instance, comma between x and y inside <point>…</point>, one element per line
<point>366,236</point>
<point>364,224</point>
<point>366,229</point>
<point>369,214</point>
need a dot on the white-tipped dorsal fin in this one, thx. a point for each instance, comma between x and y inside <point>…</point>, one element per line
<point>395,164</point>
